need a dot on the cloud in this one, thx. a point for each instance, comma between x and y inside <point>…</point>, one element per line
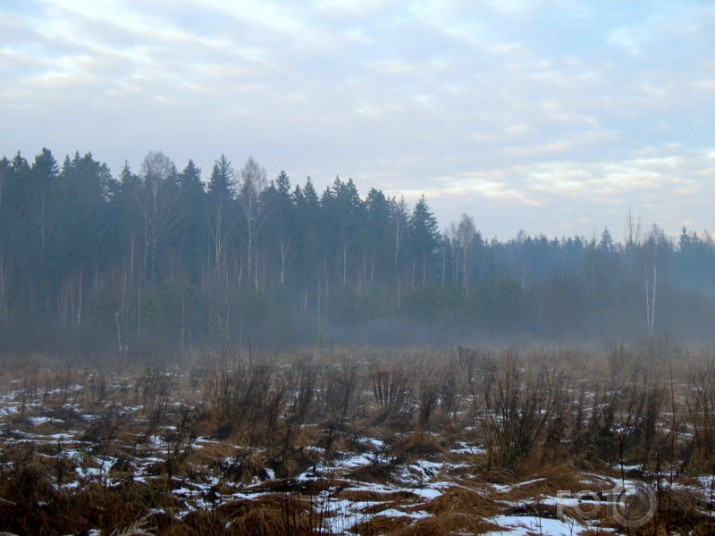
<point>565,112</point>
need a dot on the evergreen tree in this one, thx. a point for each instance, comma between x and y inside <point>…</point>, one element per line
<point>310,246</point>
<point>378,240</point>
<point>193,229</point>
<point>81,236</point>
<point>220,200</point>
<point>278,203</point>
<point>424,240</point>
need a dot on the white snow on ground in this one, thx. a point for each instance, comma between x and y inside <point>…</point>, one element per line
<point>468,448</point>
<point>37,421</point>
<point>377,444</point>
<point>392,512</point>
<point>431,493</point>
<point>501,488</point>
<point>341,515</point>
<point>358,460</point>
<point>529,525</point>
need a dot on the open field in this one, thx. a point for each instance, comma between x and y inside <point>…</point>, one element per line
<point>363,441</point>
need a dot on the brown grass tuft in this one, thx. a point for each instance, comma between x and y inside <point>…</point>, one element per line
<point>417,445</point>
<point>450,523</point>
<point>461,500</point>
<point>381,525</point>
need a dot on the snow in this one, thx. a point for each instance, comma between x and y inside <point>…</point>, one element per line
<point>467,448</point>
<point>428,494</point>
<point>392,512</point>
<point>529,525</point>
<point>358,460</point>
<point>37,421</point>
<point>504,488</point>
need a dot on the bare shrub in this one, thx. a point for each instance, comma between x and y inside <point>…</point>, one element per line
<point>392,390</point>
<point>518,406</point>
<point>336,393</point>
<point>451,391</point>
<point>179,440</point>
<point>243,394</point>
<point>337,389</point>
<point>303,383</point>
<point>427,402</point>
<point>155,386</point>
<point>700,405</point>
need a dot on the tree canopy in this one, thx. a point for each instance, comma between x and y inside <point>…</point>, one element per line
<point>167,259</point>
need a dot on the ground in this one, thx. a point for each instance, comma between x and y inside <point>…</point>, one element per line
<point>360,442</point>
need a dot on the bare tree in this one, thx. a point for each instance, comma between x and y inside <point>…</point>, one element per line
<point>253,181</point>
<point>466,232</point>
<point>651,253</point>
<point>399,225</point>
<point>159,204</point>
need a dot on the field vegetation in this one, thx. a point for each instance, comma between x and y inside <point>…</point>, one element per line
<point>359,441</point>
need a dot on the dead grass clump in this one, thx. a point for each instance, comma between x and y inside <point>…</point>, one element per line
<point>197,522</point>
<point>548,479</point>
<point>27,482</point>
<point>271,515</point>
<point>247,468</point>
<point>418,445</point>
<point>364,495</point>
<point>288,460</point>
<point>338,439</point>
<point>210,453</point>
<point>533,508</point>
<point>379,470</point>
<point>109,509</point>
<point>137,528</point>
<point>450,523</point>
<point>122,470</point>
<point>381,525</point>
<point>464,501</point>
<point>68,511</point>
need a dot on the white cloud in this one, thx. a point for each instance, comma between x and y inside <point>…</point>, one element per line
<point>565,112</point>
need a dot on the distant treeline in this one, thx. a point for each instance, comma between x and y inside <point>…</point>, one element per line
<point>161,260</point>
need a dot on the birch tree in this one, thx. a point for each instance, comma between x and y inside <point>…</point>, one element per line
<point>466,232</point>
<point>252,215</point>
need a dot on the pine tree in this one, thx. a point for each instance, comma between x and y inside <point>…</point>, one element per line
<point>424,240</point>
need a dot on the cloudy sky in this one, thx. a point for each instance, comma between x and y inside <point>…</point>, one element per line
<point>554,116</point>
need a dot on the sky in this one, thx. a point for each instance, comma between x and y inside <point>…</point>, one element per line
<point>552,116</point>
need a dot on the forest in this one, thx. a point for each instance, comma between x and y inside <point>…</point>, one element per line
<point>164,260</point>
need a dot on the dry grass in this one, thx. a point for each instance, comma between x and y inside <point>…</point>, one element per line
<point>259,444</point>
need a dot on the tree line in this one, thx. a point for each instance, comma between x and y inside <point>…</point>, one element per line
<point>165,259</point>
